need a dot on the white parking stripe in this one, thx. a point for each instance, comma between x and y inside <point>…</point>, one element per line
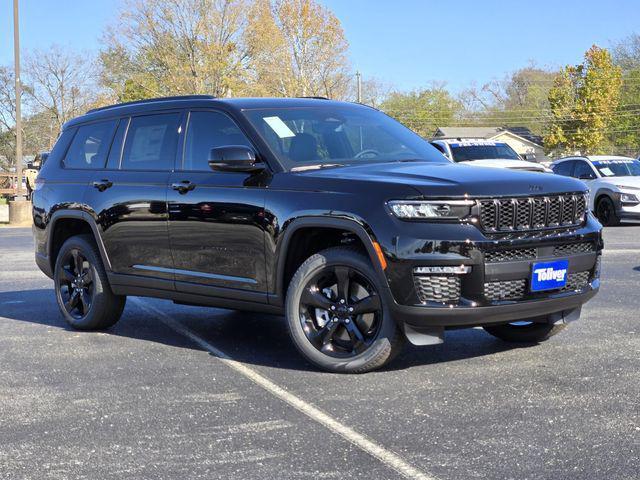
<point>387,457</point>
<point>621,250</point>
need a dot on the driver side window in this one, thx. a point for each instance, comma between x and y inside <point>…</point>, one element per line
<point>583,171</point>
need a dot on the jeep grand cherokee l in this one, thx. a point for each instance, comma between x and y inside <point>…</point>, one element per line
<point>333,214</point>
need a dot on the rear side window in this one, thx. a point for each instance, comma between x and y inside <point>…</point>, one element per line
<point>209,130</point>
<point>563,168</point>
<point>90,145</point>
<point>151,142</point>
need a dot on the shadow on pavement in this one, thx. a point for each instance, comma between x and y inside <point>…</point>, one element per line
<point>252,338</point>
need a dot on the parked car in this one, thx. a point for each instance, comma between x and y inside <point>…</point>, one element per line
<point>614,183</point>
<point>485,153</point>
<point>331,213</point>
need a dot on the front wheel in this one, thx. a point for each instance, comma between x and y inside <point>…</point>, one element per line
<point>336,316</point>
<point>606,212</point>
<point>524,331</point>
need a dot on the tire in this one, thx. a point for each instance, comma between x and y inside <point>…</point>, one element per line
<point>529,333</point>
<point>95,306</point>
<point>606,212</point>
<point>380,339</point>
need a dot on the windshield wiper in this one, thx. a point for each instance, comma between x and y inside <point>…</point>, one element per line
<point>316,166</point>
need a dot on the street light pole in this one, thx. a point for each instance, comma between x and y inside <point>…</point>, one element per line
<point>16,53</point>
<point>359,87</point>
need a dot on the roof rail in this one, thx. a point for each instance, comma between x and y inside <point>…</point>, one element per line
<point>152,100</point>
<point>314,97</point>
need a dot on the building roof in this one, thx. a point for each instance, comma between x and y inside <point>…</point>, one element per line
<point>487,133</point>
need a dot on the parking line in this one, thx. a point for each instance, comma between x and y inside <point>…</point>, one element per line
<point>387,457</point>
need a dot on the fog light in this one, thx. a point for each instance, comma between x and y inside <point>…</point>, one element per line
<point>448,270</point>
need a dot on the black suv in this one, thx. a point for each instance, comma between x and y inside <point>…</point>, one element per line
<point>331,213</point>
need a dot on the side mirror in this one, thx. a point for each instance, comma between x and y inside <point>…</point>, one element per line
<point>234,158</point>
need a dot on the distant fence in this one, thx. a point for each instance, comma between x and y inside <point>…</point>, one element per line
<point>8,183</point>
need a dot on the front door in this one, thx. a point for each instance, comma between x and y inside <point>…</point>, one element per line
<point>216,219</point>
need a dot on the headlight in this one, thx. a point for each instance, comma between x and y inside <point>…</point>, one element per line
<point>432,209</point>
<point>629,198</point>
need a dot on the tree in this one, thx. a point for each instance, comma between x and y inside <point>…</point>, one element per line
<point>296,48</point>
<point>583,100</point>
<point>626,52</point>
<point>7,118</point>
<point>60,85</point>
<point>170,47</point>
<point>423,110</point>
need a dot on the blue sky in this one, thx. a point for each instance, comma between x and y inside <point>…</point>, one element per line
<point>408,43</point>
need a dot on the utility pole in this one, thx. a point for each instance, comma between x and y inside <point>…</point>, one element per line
<point>359,87</point>
<point>16,54</point>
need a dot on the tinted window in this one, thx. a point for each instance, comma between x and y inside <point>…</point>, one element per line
<point>563,168</point>
<point>208,130</point>
<point>113,161</point>
<point>90,146</point>
<point>151,142</point>
<point>583,170</point>
<point>464,152</point>
<point>335,135</point>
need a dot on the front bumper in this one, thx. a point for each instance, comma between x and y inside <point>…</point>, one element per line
<point>496,290</point>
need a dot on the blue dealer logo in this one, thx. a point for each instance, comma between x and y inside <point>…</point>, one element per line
<point>549,275</point>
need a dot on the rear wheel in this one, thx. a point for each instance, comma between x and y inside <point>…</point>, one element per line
<point>524,331</point>
<point>606,212</point>
<point>82,289</point>
<point>336,316</point>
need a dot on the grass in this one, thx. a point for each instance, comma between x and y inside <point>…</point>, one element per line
<point>3,201</point>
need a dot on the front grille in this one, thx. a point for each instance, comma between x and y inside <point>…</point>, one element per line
<point>516,289</point>
<point>510,255</point>
<point>505,290</point>
<point>432,288</point>
<point>573,249</point>
<point>532,213</point>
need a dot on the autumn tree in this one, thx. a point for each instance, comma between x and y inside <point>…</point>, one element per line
<point>296,48</point>
<point>170,47</point>
<point>423,110</point>
<point>583,100</point>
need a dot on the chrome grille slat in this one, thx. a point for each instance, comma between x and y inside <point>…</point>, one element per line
<point>532,213</point>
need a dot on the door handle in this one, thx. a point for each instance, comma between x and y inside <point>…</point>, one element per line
<point>183,186</point>
<point>103,184</point>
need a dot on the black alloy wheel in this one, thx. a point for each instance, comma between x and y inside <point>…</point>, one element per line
<point>340,312</point>
<point>337,315</point>
<point>76,284</point>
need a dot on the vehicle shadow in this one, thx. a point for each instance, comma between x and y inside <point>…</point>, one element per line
<point>251,338</point>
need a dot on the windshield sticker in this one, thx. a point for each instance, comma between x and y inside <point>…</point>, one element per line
<point>607,172</point>
<point>278,126</point>
<point>600,163</point>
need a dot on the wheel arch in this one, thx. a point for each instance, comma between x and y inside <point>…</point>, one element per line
<point>341,226</point>
<point>67,223</point>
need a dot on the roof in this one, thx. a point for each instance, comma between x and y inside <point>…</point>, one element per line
<point>487,133</point>
<point>202,101</point>
<point>468,141</point>
<point>593,158</point>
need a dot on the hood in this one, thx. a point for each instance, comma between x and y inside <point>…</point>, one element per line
<point>506,163</point>
<point>452,179</point>
<point>631,182</point>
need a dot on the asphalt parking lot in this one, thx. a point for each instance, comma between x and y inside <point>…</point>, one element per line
<point>184,392</point>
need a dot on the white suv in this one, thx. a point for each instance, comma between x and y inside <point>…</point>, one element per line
<point>614,183</point>
<point>485,153</point>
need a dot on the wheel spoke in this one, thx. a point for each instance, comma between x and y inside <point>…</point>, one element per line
<point>368,304</point>
<point>314,298</point>
<point>85,300</point>
<point>72,303</point>
<point>325,334</point>
<point>87,277</point>
<point>344,282</point>
<point>77,262</point>
<point>67,275</point>
<point>357,339</point>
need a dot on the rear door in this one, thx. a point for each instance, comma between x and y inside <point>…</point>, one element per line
<point>129,197</point>
<point>216,219</point>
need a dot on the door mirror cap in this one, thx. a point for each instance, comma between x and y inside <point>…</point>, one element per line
<point>234,158</point>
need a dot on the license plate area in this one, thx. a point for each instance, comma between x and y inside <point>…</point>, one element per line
<point>549,275</point>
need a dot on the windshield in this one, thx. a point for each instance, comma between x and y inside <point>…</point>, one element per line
<point>312,137</point>
<point>464,152</point>
<point>618,168</point>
